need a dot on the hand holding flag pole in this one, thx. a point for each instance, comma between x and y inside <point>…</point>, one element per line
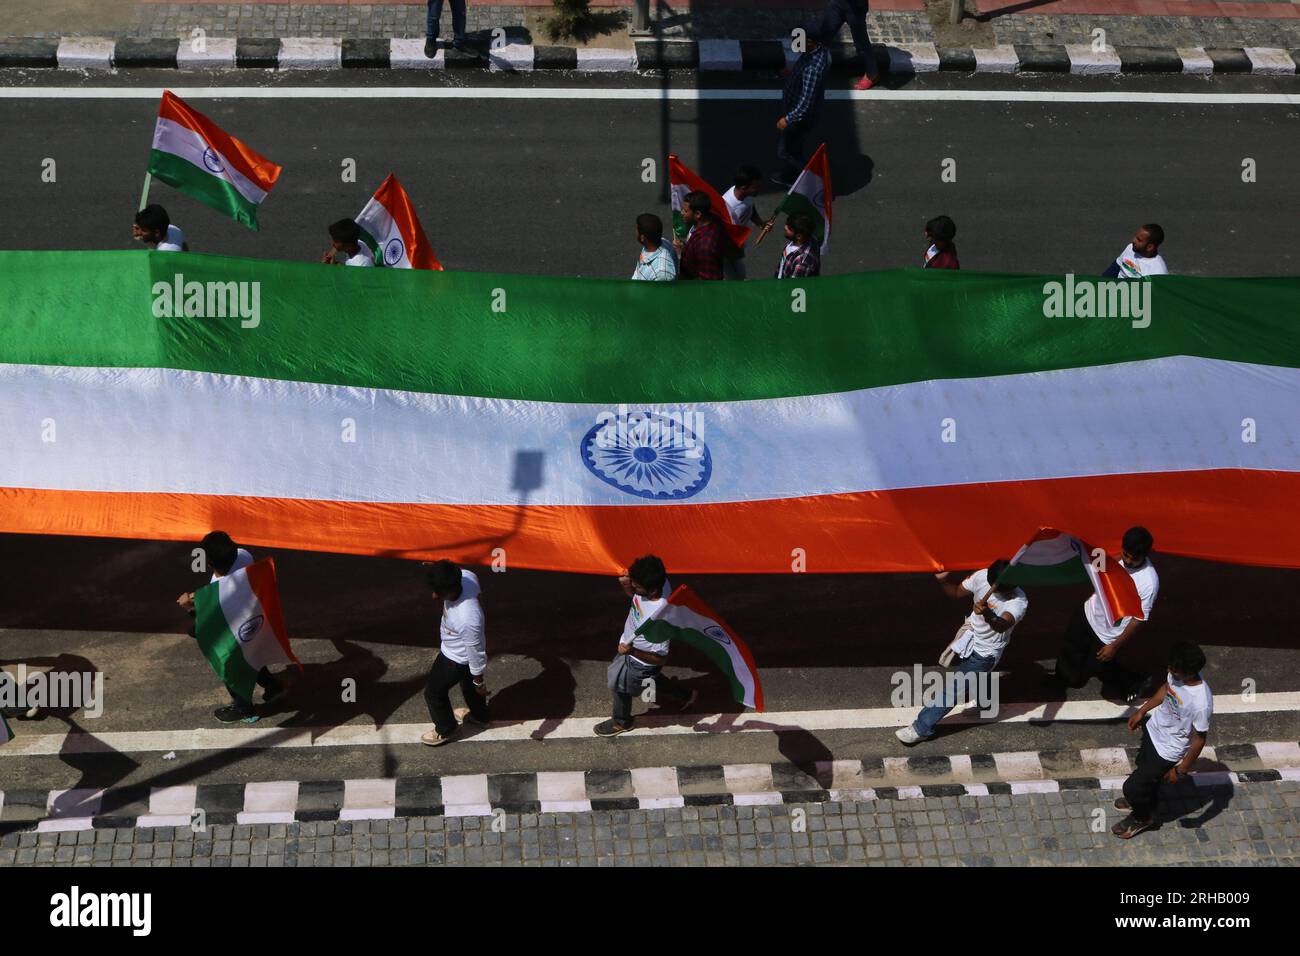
<point>767,227</point>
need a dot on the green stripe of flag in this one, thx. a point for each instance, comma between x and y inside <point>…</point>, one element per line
<point>219,645</point>
<point>795,203</point>
<point>656,632</point>
<point>201,185</point>
<point>566,339</point>
<point>1067,572</point>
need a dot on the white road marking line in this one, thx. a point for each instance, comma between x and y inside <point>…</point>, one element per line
<point>170,807</point>
<point>70,810</point>
<point>584,93</point>
<point>575,728</point>
<point>466,796</point>
<point>563,791</point>
<point>369,799</point>
<point>1105,762</point>
<point>1020,765</point>
<point>656,788</point>
<point>273,801</point>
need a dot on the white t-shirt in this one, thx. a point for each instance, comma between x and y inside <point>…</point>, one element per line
<point>364,257</point>
<point>641,610</point>
<point>987,642</point>
<point>242,560</point>
<point>174,241</point>
<point>464,638</point>
<point>1183,710</point>
<point>1148,586</point>
<point>1133,266</point>
<point>742,210</point>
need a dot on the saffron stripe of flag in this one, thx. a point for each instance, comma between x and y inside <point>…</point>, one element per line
<point>240,626</point>
<point>393,230</point>
<point>198,157</point>
<point>1054,557</point>
<point>685,617</point>
<point>683,181</point>
<point>811,194</point>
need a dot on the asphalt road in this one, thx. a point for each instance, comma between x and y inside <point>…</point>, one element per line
<point>552,185</point>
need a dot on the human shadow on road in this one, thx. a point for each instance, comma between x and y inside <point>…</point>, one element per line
<point>551,695</point>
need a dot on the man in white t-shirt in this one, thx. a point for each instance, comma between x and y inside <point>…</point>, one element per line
<point>462,654</point>
<point>346,247</point>
<point>1093,643</point>
<point>979,644</point>
<point>740,204</point>
<point>1172,739</point>
<point>638,664</point>
<point>1141,257</point>
<point>156,230</point>
<point>224,557</point>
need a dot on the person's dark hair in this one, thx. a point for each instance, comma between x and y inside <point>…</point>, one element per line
<point>221,552</point>
<point>648,571</point>
<point>345,231</point>
<point>997,568</point>
<point>1186,658</point>
<point>1155,232</point>
<point>650,226</point>
<point>746,175</point>
<point>942,228</point>
<point>801,224</point>
<point>1138,541</point>
<point>153,217</point>
<point>443,576</point>
<point>699,201</point>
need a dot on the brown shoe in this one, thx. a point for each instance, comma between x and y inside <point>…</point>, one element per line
<point>465,716</point>
<point>1131,826</point>
<point>1122,804</point>
<point>435,739</point>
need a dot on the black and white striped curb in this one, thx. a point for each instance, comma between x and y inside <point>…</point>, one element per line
<point>645,788</point>
<point>721,56</point>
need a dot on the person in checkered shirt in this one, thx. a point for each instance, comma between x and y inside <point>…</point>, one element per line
<point>707,245</point>
<point>801,258</point>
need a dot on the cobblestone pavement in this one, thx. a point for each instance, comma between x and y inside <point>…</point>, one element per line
<point>1209,32</point>
<point>1259,824</point>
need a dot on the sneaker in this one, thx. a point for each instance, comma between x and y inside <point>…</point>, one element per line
<point>908,735</point>
<point>230,714</point>
<point>435,739</point>
<point>1122,804</point>
<point>1130,827</point>
<point>430,48</point>
<point>464,715</point>
<point>865,83</point>
<point>611,728</point>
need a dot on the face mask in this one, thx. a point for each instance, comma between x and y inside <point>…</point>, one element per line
<point>1173,681</point>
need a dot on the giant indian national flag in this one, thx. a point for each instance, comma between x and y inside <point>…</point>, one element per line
<point>393,412</point>
<point>240,627</point>
<point>206,163</point>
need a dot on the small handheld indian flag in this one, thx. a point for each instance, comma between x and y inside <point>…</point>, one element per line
<point>394,231</point>
<point>811,194</point>
<point>1054,557</point>
<point>684,617</point>
<point>240,627</point>
<point>683,181</point>
<point>198,157</point>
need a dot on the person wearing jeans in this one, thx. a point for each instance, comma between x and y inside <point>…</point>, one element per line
<point>929,717</point>
<point>854,13</point>
<point>998,607</point>
<point>431,27</point>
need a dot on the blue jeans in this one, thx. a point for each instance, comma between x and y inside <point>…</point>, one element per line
<point>457,19</point>
<point>854,13</point>
<point>929,717</point>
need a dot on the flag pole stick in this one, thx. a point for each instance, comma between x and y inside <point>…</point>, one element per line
<point>144,195</point>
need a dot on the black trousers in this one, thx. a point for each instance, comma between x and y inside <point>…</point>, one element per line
<point>1078,664</point>
<point>443,676</point>
<point>789,150</point>
<point>854,13</point>
<point>1142,788</point>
